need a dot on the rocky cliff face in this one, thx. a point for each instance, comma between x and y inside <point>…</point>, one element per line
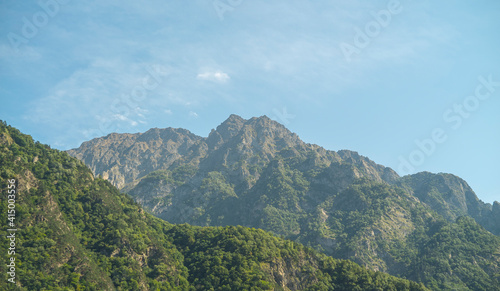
<point>123,158</point>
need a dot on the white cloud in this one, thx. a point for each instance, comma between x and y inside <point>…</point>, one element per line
<point>193,114</point>
<point>120,117</point>
<point>216,76</point>
<point>93,101</point>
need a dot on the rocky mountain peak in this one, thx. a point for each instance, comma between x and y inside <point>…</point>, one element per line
<point>255,131</point>
<point>225,131</point>
<point>269,127</point>
<point>256,140</point>
<point>169,133</point>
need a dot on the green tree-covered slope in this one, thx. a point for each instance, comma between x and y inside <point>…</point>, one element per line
<point>78,232</point>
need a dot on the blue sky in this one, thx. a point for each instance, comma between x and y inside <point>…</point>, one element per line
<point>414,85</point>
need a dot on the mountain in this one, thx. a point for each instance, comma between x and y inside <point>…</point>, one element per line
<point>452,197</point>
<point>427,227</point>
<point>124,158</point>
<point>75,231</point>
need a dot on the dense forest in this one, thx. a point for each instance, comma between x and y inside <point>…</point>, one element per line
<point>78,232</point>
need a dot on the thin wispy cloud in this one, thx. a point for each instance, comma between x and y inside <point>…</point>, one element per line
<point>193,114</point>
<point>216,76</point>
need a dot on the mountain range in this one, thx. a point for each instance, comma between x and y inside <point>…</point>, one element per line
<point>430,228</point>
<point>70,230</point>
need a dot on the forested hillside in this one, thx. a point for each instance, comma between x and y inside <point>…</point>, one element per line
<point>78,232</point>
